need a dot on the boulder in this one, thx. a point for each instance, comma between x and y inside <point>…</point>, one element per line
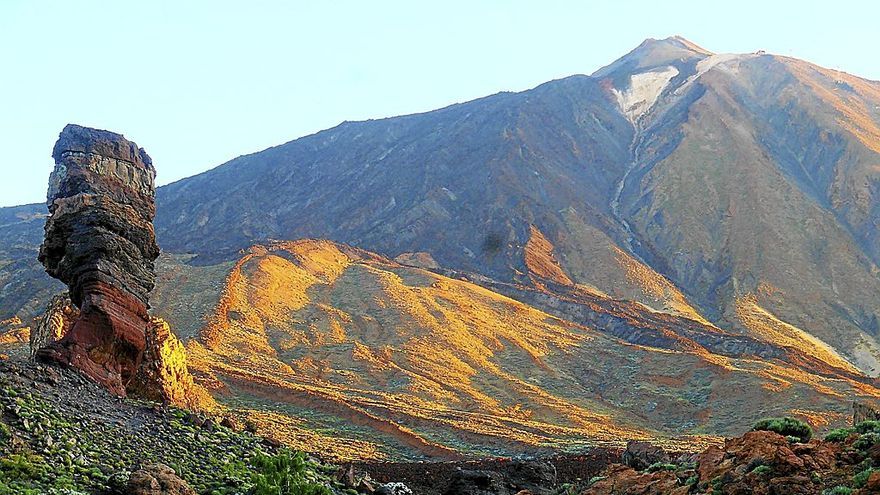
<point>533,477</point>
<point>393,489</point>
<point>157,479</point>
<point>476,482</point>
<point>639,455</point>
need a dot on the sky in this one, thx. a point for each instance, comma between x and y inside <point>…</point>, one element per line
<point>198,83</point>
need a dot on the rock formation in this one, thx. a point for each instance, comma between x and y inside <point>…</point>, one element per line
<point>54,324</point>
<point>163,375</point>
<point>99,240</point>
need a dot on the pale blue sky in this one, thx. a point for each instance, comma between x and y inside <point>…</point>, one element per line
<point>200,82</point>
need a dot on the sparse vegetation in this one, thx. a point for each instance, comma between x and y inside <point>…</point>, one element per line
<point>867,427</point>
<point>838,490</point>
<point>786,427</point>
<point>662,466</point>
<point>54,450</point>
<point>861,479</point>
<point>866,441</point>
<point>762,470</point>
<point>839,435</point>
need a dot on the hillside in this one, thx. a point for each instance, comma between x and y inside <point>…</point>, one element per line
<point>404,362</point>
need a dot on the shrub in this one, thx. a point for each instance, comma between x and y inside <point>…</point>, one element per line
<point>762,470</point>
<point>786,427</point>
<point>838,490</point>
<point>861,479</point>
<point>868,427</point>
<point>839,435</point>
<point>594,480</point>
<point>866,441</point>
<point>661,466</point>
<point>285,473</point>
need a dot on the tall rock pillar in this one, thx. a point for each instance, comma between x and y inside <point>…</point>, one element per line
<point>100,242</point>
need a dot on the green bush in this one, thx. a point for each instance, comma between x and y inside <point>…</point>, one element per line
<point>866,441</point>
<point>861,479</point>
<point>594,480</point>
<point>762,470</point>
<point>285,473</point>
<point>662,466</point>
<point>838,490</point>
<point>786,427</point>
<point>868,427</point>
<point>839,435</point>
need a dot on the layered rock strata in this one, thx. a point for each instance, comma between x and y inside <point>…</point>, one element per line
<point>99,240</point>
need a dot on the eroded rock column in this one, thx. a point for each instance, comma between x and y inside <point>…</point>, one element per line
<point>100,242</point>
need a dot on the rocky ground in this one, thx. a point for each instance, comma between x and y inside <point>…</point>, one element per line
<point>759,463</point>
<point>61,434</point>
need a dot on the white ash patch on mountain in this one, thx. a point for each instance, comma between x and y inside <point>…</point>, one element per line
<point>722,61</point>
<point>643,91</point>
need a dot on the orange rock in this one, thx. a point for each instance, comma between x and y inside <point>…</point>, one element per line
<point>622,480</point>
<point>163,375</point>
<point>709,462</point>
<point>873,484</point>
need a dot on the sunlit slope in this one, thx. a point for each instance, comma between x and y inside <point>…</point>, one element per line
<point>416,363</point>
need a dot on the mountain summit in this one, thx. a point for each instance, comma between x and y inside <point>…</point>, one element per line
<point>652,54</point>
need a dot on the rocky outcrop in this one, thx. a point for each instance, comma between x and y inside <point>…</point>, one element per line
<point>99,240</point>
<point>163,375</point>
<point>519,476</point>
<point>760,463</point>
<point>640,455</point>
<point>54,324</point>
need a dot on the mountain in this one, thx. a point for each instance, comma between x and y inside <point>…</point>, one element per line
<point>744,180</point>
<point>677,209</point>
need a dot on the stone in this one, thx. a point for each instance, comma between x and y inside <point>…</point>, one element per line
<point>533,476</point>
<point>864,412</point>
<point>157,479</point>
<point>54,324</point>
<point>231,423</point>
<point>476,482</point>
<point>99,240</point>
<point>639,455</point>
<point>626,480</point>
<point>163,375</point>
<point>393,489</point>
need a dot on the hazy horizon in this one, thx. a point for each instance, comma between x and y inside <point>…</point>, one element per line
<point>199,84</point>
